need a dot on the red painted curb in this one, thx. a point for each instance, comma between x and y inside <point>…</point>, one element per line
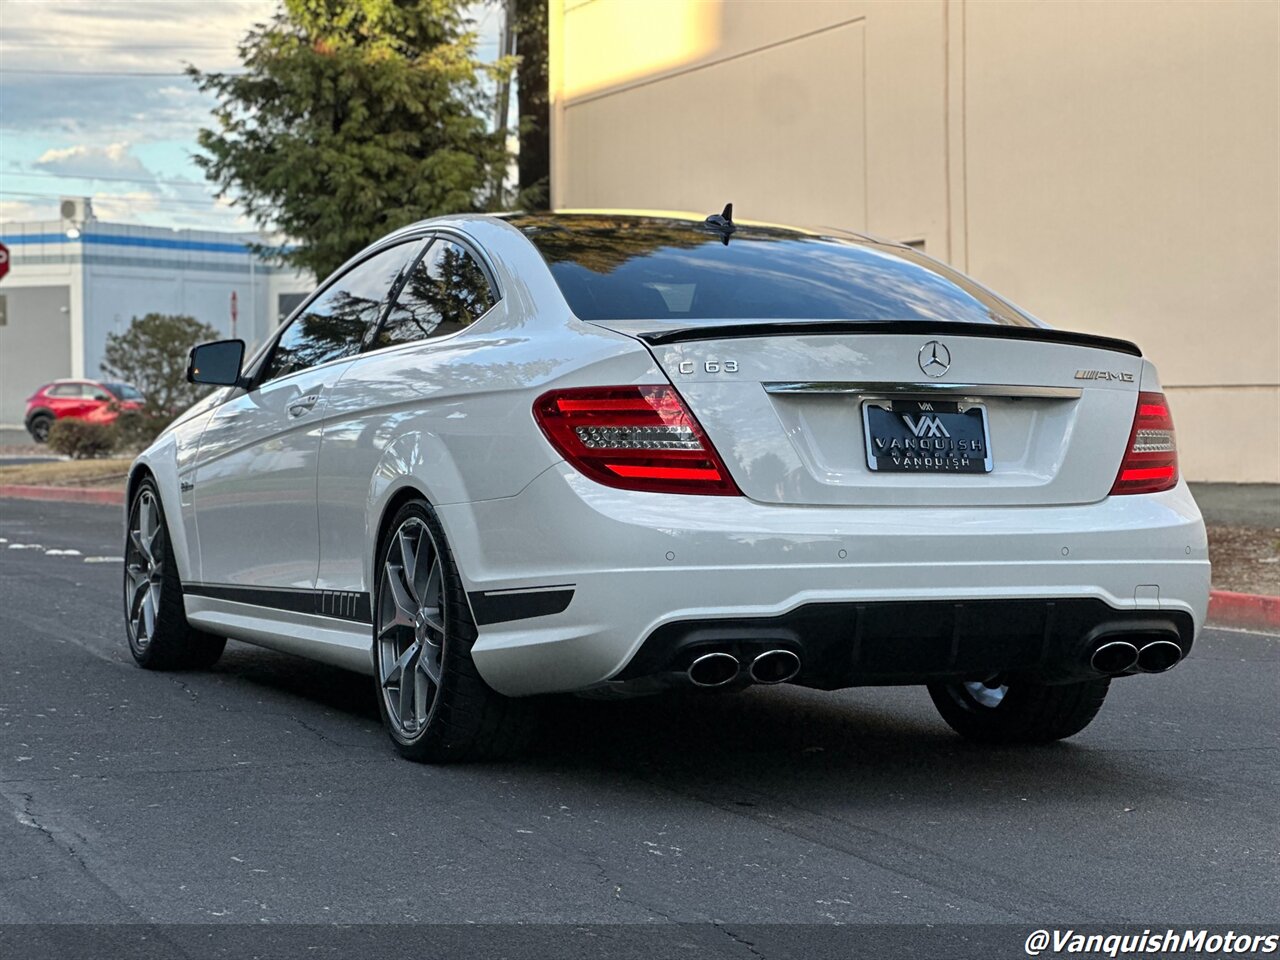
<point>19,491</point>
<point>1250,610</point>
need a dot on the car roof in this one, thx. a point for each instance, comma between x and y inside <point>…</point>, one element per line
<point>586,218</point>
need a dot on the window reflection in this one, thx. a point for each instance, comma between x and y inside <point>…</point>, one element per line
<point>446,292</point>
<point>335,324</point>
<point>619,267</point>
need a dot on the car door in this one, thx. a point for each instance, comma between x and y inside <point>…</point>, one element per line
<point>70,400</point>
<point>254,498</point>
<point>396,394</point>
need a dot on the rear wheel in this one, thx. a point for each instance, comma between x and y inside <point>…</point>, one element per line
<point>436,706</point>
<point>1003,710</point>
<point>38,426</point>
<point>159,636</point>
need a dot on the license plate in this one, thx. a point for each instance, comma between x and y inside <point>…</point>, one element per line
<point>917,436</point>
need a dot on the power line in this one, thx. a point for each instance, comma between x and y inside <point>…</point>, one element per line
<point>84,176</point>
<point>113,47</point>
<point>107,198</point>
<point>102,73</point>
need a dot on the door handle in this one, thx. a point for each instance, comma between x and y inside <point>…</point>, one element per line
<point>302,404</point>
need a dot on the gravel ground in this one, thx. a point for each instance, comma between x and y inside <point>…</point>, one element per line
<point>1245,559</point>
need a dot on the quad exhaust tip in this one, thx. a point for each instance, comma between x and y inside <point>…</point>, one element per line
<point>1114,657</point>
<point>774,666</point>
<point>713,669</point>
<point>1159,656</point>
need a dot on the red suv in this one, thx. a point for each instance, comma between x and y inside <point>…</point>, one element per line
<point>93,400</point>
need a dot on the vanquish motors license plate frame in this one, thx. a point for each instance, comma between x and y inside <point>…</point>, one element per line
<point>926,436</point>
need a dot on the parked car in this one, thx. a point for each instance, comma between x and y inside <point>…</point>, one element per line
<point>98,401</point>
<point>614,454</point>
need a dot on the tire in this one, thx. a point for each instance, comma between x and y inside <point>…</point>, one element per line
<point>1018,711</point>
<point>446,713</point>
<point>155,621</point>
<point>38,426</point>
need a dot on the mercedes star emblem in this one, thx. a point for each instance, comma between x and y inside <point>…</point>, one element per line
<point>935,358</point>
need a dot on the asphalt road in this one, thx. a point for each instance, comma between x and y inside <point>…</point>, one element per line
<point>265,789</point>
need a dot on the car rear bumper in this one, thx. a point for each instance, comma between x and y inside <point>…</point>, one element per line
<point>572,582</point>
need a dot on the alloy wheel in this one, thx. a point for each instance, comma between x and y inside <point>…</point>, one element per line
<point>144,569</point>
<point>410,627</point>
<point>988,693</point>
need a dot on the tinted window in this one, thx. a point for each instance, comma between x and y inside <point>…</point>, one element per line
<point>124,391</point>
<point>447,291</point>
<point>335,323</point>
<point>624,268</point>
<point>286,303</point>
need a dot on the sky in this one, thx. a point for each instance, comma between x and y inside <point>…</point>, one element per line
<point>93,103</point>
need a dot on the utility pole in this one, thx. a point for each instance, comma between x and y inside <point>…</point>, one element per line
<point>506,48</point>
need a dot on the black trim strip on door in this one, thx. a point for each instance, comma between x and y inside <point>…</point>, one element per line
<point>503,606</point>
<point>932,328</point>
<point>338,604</point>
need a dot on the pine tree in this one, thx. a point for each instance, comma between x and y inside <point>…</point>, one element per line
<point>352,118</point>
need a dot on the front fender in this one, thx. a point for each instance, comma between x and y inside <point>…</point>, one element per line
<point>168,460</point>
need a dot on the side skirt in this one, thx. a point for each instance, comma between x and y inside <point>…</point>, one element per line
<point>343,642</point>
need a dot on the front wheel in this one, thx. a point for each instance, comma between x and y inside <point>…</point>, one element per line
<point>1004,710</point>
<point>39,427</point>
<point>435,704</point>
<point>156,622</point>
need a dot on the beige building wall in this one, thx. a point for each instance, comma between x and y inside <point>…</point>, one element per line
<point>1111,167</point>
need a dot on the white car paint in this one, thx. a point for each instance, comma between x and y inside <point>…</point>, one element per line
<point>281,504</point>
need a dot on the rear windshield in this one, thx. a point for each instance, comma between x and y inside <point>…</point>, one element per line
<point>643,268</point>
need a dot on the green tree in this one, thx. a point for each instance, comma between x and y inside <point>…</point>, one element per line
<point>353,118</point>
<point>152,355</point>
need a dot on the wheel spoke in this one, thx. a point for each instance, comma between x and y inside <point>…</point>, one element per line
<point>408,687</point>
<point>142,543</point>
<point>405,607</point>
<point>431,593</point>
<point>140,586</point>
<point>409,560</point>
<point>429,662</point>
<point>422,689</point>
<point>148,617</point>
<point>398,668</point>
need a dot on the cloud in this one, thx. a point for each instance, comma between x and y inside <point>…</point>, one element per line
<point>129,207</point>
<point>113,160</point>
<point>106,109</point>
<point>24,211</point>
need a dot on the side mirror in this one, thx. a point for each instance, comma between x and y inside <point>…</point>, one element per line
<point>217,363</point>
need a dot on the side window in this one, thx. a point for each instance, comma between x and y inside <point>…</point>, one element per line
<point>447,291</point>
<point>336,322</point>
<point>65,390</point>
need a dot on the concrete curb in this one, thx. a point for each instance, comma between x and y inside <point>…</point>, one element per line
<point>1251,611</point>
<point>20,491</point>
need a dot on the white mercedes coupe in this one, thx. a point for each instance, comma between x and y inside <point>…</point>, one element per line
<point>618,453</point>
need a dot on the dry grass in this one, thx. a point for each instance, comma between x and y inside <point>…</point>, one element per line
<point>68,473</point>
<point>1245,559</point>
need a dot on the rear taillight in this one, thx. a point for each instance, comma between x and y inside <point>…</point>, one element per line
<point>635,438</point>
<point>1151,460</point>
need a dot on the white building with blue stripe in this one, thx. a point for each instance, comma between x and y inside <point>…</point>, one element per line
<point>70,285</point>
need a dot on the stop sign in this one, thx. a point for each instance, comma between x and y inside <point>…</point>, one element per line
<point>4,261</point>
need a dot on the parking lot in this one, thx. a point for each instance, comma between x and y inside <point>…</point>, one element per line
<point>265,790</point>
